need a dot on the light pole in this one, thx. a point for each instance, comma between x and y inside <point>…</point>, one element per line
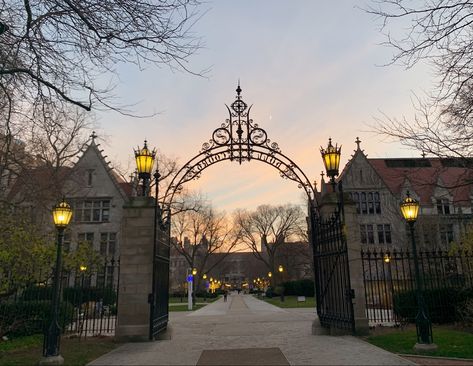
<point>62,214</point>
<point>281,271</point>
<point>190,280</point>
<point>194,273</point>
<point>410,209</point>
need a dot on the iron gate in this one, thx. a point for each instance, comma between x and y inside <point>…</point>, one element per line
<point>159,298</point>
<point>331,270</point>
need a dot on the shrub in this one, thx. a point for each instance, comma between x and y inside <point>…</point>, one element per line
<point>206,294</point>
<point>31,317</point>
<point>78,295</point>
<point>443,304</point>
<point>74,295</point>
<point>299,288</point>
<point>36,293</point>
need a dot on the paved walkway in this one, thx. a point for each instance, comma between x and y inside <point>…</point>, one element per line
<point>245,330</point>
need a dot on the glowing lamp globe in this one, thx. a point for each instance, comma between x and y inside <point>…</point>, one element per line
<point>409,208</point>
<point>194,271</point>
<point>331,158</point>
<point>62,214</point>
<point>204,276</point>
<point>270,274</point>
<point>281,268</point>
<point>144,160</point>
<point>83,268</point>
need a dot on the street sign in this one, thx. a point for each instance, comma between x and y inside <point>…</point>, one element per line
<point>190,278</point>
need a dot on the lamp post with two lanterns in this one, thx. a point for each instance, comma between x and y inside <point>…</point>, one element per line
<point>62,214</point>
<point>410,210</point>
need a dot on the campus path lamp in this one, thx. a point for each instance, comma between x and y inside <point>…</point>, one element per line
<point>62,214</point>
<point>144,164</point>
<point>410,209</point>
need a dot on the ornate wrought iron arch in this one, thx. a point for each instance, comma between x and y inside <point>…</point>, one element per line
<point>238,139</point>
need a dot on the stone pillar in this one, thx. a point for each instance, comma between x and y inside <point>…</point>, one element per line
<point>356,268</point>
<point>136,270</point>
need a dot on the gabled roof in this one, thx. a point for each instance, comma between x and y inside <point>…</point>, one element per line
<point>424,176</point>
<point>123,187</point>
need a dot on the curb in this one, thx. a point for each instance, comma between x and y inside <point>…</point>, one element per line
<point>435,357</point>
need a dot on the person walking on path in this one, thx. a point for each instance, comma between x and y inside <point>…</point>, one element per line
<point>225,296</point>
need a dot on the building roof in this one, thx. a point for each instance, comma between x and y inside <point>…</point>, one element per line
<point>425,175</point>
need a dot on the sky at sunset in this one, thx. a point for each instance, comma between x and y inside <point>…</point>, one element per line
<point>312,70</point>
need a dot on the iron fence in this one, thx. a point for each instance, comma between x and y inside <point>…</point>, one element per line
<point>88,305</point>
<point>389,281</point>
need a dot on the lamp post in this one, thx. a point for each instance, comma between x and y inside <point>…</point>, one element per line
<point>62,214</point>
<point>410,209</point>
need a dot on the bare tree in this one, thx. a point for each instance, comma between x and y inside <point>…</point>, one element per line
<point>201,234</point>
<point>266,229</point>
<point>58,50</point>
<point>55,55</point>
<point>43,167</point>
<point>441,33</point>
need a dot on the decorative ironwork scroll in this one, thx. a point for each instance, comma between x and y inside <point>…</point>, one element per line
<point>238,139</point>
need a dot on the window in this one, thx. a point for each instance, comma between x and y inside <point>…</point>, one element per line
<point>90,175</point>
<point>366,234</point>
<point>108,244</point>
<point>384,234</point>
<point>443,206</point>
<point>85,237</point>
<point>446,234</point>
<point>367,203</point>
<point>66,244</point>
<point>92,211</point>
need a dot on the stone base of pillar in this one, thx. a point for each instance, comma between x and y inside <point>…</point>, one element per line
<point>133,333</point>
<point>362,327</point>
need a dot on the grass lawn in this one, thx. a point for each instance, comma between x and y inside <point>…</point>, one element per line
<point>28,350</point>
<point>291,302</point>
<point>451,343</point>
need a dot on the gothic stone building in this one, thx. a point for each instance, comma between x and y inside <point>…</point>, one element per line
<point>377,186</point>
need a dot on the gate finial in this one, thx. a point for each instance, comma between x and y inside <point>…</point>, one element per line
<point>238,89</point>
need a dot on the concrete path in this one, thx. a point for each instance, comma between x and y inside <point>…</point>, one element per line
<point>245,330</point>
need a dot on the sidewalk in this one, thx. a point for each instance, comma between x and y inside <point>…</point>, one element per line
<point>248,331</point>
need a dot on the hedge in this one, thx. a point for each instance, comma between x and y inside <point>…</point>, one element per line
<point>299,288</point>
<point>30,317</point>
<point>74,295</point>
<point>443,304</point>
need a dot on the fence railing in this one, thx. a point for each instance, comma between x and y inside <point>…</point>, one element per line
<point>88,305</point>
<point>390,285</point>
